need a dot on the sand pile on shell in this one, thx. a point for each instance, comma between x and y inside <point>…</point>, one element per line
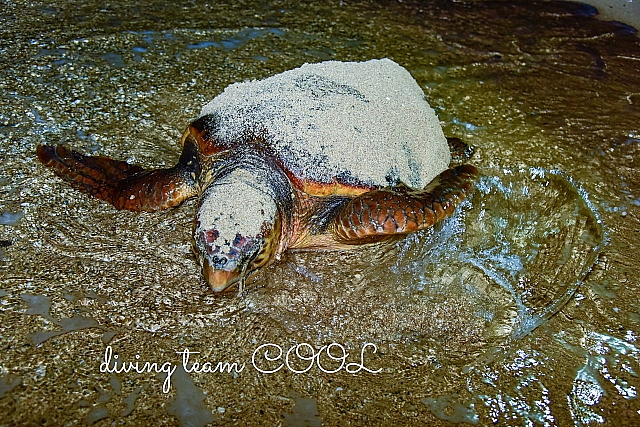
<point>364,122</point>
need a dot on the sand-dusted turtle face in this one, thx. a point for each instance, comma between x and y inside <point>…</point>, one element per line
<point>237,229</point>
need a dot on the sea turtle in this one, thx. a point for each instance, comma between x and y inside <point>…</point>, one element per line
<point>326,156</point>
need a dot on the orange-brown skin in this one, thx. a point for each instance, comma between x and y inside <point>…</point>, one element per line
<point>323,189</point>
<point>378,214</point>
<point>401,210</point>
<point>123,185</point>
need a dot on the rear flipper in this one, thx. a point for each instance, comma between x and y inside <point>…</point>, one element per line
<point>400,210</point>
<point>460,151</point>
<point>123,185</point>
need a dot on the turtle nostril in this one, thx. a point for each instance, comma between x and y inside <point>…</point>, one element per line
<point>219,261</point>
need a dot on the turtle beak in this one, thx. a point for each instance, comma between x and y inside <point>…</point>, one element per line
<point>219,280</point>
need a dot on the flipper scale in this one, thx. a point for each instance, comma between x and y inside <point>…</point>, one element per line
<point>381,213</point>
<point>123,185</point>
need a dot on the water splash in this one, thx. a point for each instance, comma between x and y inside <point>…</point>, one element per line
<point>532,232</point>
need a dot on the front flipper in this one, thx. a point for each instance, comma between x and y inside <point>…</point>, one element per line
<point>400,210</point>
<point>123,185</point>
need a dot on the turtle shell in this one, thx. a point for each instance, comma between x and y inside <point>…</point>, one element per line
<point>334,127</point>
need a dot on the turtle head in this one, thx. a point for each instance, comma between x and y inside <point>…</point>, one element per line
<point>237,230</point>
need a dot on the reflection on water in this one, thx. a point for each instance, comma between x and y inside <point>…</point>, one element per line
<point>607,359</point>
<point>462,315</point>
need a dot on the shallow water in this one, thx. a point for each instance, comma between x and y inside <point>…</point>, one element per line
<point>520,309</point>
